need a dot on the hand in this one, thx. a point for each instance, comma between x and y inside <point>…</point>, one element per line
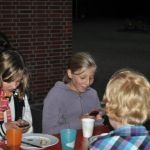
<point>97,113</point>
<point>98,117</point>
<point>23,124</point>
<point>94,113</point>
<point>12,124</point>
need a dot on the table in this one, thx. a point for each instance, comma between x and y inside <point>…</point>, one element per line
<point>81,142</point>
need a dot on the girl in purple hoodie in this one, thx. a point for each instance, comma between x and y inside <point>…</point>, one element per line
<point>71,98</point>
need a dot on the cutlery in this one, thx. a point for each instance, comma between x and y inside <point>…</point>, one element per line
<point>38,146</point>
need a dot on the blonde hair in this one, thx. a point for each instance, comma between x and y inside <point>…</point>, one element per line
<point>12,66</point>
<point>79,61</point>
<point>127,97</point>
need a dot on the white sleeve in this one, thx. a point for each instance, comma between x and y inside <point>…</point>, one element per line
<point>27,114</point>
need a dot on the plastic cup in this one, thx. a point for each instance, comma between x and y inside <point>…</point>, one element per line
<point>87,127</point>
<point>68,138</point>
<point>14,137</point>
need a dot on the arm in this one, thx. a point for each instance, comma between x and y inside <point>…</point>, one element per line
<point>5,126</point>
<point>97,107</point>
<point>27,114</point>
<point>53,119</point>
<point>99,119</point>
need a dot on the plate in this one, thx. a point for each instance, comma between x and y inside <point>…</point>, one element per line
<point>43,140</point>
<point>94,138</point>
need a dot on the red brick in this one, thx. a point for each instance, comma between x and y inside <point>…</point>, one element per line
<point>42,32</point>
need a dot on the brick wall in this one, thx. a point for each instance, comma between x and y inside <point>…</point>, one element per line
<point>42,31</point>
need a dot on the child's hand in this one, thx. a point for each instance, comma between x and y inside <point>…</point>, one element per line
<point>12,124</point>
<point>23,124</point>
<point>97,113</point>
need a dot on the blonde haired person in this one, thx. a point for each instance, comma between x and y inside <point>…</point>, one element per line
<point>127,100</point>
<point>14,79</point>
<point>73,97</point>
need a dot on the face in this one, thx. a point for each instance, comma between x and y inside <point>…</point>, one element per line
<point>11,85</point>
<point>82,79</point>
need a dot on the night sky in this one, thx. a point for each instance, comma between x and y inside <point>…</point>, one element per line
<point>110,8</point>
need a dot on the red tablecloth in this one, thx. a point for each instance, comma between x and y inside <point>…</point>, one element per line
<point>81,142</point>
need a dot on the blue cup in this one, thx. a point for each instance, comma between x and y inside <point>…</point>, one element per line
<point>68,138</point>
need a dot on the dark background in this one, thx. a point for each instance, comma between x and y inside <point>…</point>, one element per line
<point>110,8</point>
<point>116,33</point>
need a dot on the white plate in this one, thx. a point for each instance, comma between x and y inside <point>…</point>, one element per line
<point>43,140</point>
<point>93,138</point>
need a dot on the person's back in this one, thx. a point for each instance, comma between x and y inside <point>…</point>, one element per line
<point>127,100</point>
<point>124,138</point>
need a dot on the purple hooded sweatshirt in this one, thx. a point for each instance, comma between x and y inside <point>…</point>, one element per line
<point>64,107</point>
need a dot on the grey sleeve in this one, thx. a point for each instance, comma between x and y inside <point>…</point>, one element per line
<point>52,120</point>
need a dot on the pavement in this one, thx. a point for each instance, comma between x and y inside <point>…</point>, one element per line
<point>114,44</point>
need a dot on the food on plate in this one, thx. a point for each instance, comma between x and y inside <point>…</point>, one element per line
<point>43,141</point>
